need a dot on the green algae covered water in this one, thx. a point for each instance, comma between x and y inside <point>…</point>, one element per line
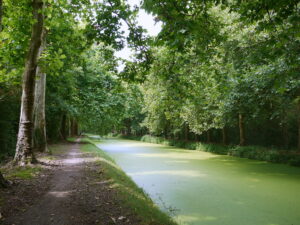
<point>203,188</point>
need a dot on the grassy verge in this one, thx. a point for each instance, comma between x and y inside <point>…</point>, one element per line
<point>27,172</point>
<point>214,148</point>
<point>266,154</point>
<point>128,192</point>
<point>32,170</point>
<point>250,152</point>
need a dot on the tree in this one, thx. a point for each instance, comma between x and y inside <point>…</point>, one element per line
<point>24,142</point>
<point>39,128</point>
<point>3,182</point>
<point>1,14</point>
<point>241,71</point>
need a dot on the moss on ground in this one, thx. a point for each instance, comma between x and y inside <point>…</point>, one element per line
<point>27,172</point>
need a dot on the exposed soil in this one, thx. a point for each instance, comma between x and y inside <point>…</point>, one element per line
<point>69,191</point>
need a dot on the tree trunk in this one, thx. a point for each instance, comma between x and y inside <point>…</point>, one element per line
<point>224,136</point>
<point>167,130</point>
<point>40,138</point>
<point>3,182</point>
<point>298,123</point>
<point>128,127</point>
<point>1,14</point>
<point>74,127</point>
<point>285,133</point>
<point>242,129</point>
<point>208,139</point>
<point>186,132</point>
<point>24,142</point>
<point>63,127</point>
<point>299,134</point>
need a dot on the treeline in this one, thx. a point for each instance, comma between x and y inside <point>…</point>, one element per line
<point>224,72</point>
<point>58,72</point>
<point>219,71</point>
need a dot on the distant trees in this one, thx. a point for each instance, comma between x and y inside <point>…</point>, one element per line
<point>82,91</point>
<point>58,38</point>
<point>225,69</point>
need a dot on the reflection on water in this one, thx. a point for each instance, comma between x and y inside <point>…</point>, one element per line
<point>210,189</point>
<point>187,173</point>
<point>176,155</point>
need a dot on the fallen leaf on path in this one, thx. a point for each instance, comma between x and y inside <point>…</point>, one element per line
<point>113,219</point>
<point>121,218</point>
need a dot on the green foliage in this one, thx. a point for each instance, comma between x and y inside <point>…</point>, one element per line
<point>212,61</point>
<point>266,154</point>
<point>9,115</point>
<point>245,62</point>
<point>250,152</point>
<point>213,148</point>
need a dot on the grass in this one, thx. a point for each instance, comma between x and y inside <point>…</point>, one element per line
<point>27,172</point>
<point>129,193</point>
<point>54,151</point>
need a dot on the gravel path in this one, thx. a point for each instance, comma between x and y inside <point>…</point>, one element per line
<point>74,193</point>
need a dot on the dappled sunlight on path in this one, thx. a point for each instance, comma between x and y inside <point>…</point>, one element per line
<point>59,206</point>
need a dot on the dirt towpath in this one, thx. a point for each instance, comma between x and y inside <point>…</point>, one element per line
<point>71,193</point>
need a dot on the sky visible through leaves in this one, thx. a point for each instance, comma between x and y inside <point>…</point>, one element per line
<point>146,21</point>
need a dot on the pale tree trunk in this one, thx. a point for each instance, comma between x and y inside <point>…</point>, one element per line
<point>242,129</point>
<point>40,138</point>
<point>24,142</point>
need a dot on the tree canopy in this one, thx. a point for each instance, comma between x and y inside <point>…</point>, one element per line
<point>217,69</point>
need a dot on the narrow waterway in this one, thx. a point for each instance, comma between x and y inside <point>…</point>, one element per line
<point>203,188</point>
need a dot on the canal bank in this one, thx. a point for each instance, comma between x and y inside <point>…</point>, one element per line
<point>203,188</point>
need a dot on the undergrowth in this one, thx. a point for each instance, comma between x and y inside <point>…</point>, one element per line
<point>250,152</point>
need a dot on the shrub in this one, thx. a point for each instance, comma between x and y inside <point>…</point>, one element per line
<point>250,152</point>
